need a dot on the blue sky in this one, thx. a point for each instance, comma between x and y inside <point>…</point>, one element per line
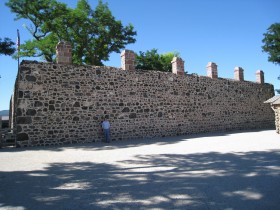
<point>228,33</point>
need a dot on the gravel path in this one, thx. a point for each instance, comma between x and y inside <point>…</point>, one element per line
<point>209,171</point>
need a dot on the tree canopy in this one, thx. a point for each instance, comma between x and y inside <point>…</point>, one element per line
<point>93,33</point>
<point>152,60</point>
<point>272,43</point>
<point>7,46</point>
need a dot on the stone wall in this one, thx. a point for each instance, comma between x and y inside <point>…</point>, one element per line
<point>63,103</point>
<point>276,109</point>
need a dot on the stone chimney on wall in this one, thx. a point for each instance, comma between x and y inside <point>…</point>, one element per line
<point>64,53</point>
<point>128,60</point>
<point>178,66</point>
<point>239,74</point>
<point>212,70</point>
<point>260,76</point>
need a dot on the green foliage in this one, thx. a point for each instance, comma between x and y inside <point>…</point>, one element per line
<point>94,34</point>
<point>152,60</point>
<point>45,17</point>
<point>166,59</point>
<point>149,60</point>
<point>272,43</point>
<point>7,46</point>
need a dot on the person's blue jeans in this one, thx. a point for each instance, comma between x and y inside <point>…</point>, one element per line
<point>107,135</point>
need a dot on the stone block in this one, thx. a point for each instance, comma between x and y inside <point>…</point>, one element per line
<point>24,120</point>
<point>22,137</point>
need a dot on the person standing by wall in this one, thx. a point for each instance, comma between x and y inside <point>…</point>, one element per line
<point>106,130</point>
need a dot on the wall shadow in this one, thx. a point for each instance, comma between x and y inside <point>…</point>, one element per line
<point>167,181</point>
<point>97,146</point>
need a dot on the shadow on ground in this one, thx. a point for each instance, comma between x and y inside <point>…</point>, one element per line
<point>130,142</point>
<point>192,181</point>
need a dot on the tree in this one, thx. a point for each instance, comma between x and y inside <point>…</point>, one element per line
<point>94,34</point>
<point>272,43</point>
<point>166,59</point>
<point>45,16</point>
<point>152,60</point>
<point>7,46</point>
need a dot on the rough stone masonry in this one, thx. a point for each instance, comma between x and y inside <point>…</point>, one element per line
<point>62,103</point>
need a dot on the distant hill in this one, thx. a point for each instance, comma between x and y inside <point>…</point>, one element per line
<point>4,113</point>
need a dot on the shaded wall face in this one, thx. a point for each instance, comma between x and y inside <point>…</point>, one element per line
<point>277,117</point>
<point>60,104</point>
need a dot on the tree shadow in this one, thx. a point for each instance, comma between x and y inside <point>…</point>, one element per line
<point>167,181</point>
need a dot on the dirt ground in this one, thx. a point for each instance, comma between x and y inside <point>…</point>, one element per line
<point>239,170</point>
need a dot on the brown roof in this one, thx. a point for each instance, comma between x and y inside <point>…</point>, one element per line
<point>274,100</point>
